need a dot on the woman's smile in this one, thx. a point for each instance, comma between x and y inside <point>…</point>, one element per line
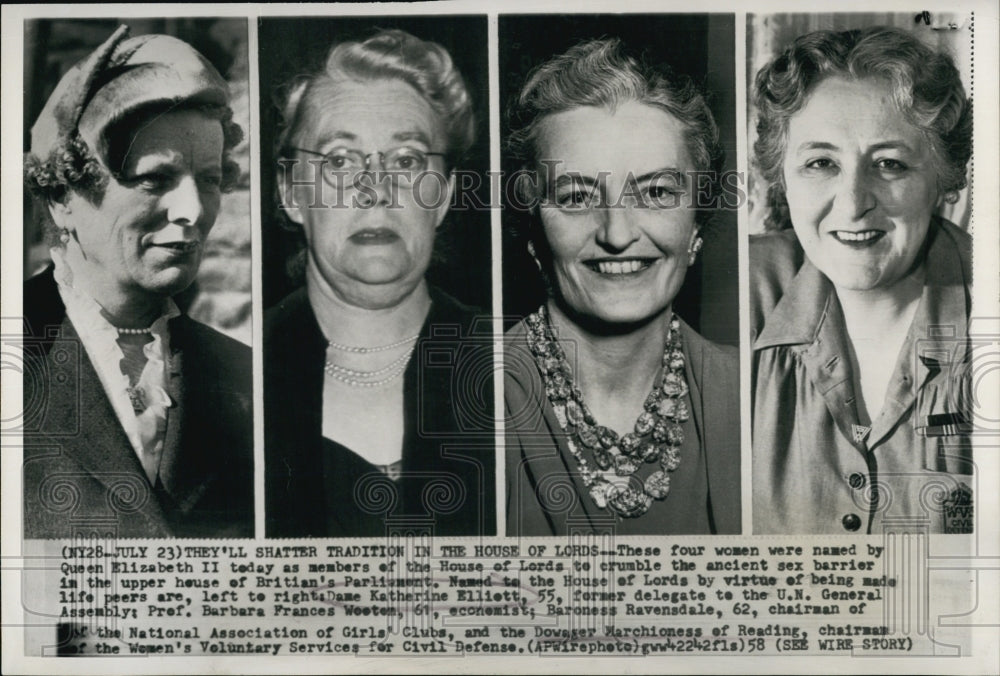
<point>617,261</point>
<point>620,268</point>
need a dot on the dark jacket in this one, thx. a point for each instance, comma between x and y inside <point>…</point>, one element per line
<point>81,474</point>
<point>448,464</point>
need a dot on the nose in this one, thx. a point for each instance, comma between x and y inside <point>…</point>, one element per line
<point>855,196</point>
<point>374,189</point>
<point>618,229</point>
<point>184,205</point>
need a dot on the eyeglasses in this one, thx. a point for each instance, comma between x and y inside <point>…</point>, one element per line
<point>344,165</point>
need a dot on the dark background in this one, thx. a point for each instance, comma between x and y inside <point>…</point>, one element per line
<point>291,47</point>
<point>697,45</point>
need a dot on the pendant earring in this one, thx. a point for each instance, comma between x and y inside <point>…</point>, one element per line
<point>64,236</point>
<point>693,251</point>
<point>534,256</point>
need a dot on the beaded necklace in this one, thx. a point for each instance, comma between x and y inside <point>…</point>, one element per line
<point>361,378</point>
<point>657,434</point>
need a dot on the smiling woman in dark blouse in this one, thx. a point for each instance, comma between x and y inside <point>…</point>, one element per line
<point>367,429</point>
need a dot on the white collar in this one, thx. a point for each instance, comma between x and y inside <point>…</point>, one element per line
<point>100,339</point>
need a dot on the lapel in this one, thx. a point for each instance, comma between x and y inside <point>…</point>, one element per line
<point>695,374</point>
<point>101,447</point>
<point>182,482</point>
<point>294,416</point>
<point>936,340</point>
<point>543,462</point>
<point>429,405</point>
<point>714,381</point>
<point>809,319</point>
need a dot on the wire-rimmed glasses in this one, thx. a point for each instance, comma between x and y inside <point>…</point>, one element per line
<point>342,166</point>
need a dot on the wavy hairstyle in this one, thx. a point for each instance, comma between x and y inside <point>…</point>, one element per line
<point>925,86</point>
<point>388,55</point>
<point>598,73</point>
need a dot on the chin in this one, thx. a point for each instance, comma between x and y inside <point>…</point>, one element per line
<point>169,282</point>
<point>379,270</point>
<point>860,280</point>
<point>615,317</point>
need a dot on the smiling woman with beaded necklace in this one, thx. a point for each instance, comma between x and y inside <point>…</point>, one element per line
<point>607,390</point>
<point>356,416</point>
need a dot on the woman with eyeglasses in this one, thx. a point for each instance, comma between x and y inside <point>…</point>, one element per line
<point>362,403</point>
<point>620,418</point>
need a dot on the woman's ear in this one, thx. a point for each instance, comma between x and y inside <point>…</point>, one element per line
<point>61,210</point>
<point>694,246</point>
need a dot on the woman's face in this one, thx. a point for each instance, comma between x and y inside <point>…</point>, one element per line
<point>861,184</point>
<point>370,244</point>
<point>147,234</point>
<point>618,215</point>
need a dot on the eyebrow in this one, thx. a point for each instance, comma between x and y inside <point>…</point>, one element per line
<point>401,136</point>
<point>884,145</point>
<point>329,137</point>
<point>572,177</point>
<point>672,172</point>
<point>415,135</point>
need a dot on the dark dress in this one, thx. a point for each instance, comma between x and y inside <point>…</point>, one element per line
<point>318,488</point>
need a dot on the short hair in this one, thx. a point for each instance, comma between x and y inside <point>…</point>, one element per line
<point>598,73</point>
<point>924,83</point>
<point>387,55</point>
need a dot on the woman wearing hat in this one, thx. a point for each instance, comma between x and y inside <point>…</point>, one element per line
<point>145,413</point>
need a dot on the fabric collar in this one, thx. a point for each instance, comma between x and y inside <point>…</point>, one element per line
<point>798,317</point>
<point>89,310</point>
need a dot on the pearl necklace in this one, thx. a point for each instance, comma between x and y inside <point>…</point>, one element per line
<point>133,332</point>
<point>368,350</point>
<point>657,433</point>
<point>360,378</point>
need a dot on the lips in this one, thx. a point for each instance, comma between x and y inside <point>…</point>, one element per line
<point>374,236</point>
<point>178,247</point>
<point>858,239</point>
<point>619,267</point>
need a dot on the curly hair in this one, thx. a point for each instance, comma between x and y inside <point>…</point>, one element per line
<point>925,86</point>
<point>74,165</point>
<point>599,73</point>
<point>387,55</point>
<point>71,165</point>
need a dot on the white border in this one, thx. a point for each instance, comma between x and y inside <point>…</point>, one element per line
<point>985,216</point>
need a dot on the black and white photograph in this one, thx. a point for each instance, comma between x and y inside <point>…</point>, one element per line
<point>378,351</point>
<point>464,337</point>
<point>860,274</point>
<point>137,385</point>
<point>618,137</point>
